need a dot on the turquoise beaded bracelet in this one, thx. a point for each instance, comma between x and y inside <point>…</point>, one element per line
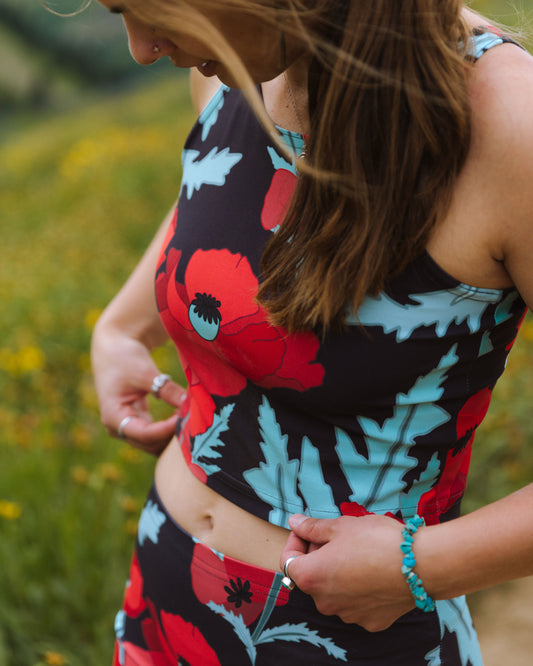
<point>422,600</point>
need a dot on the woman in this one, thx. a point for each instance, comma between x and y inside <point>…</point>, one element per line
<point>341,333</point>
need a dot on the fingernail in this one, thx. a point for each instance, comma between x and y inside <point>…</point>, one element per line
<point>297,519</point>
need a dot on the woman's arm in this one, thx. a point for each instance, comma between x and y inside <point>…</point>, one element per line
<point>122,365</point>
<point>126,332</point>
<point>352,566</point>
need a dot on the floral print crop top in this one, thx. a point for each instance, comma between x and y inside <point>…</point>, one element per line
<point>379,418</point>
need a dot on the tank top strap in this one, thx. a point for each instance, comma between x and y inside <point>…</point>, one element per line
<point>485,38</point>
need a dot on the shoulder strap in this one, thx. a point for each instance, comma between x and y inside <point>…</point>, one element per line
<point>486,37</point>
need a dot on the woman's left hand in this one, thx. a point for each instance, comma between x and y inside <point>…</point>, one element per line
<point>351,566</point>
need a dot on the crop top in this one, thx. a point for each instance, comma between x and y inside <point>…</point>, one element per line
<point>377,418</point>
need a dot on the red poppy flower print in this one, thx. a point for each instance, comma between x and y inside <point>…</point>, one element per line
<point>278,198</point>
<point>187,642</point>
<point>494,30</point>
<point>280,192</point>
<point>133,655</point>
<point>452,483</point>
<point>240,588</point>
<point>358,510</point>
<point>223,336</point>
<point>134,603</point>
<point>171,639</point>
<point>472,413</point>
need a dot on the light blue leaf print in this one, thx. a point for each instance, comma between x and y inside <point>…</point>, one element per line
<point>279,162</point>
<point>376,481</point>
<point>286,632</point>
<point>436,308</point>
<point>301,632</point>
<point>277,476</point>
<point>485,346</point>
<point>433,657</point>
<point>269,606</point>
<point>239,627</point>
<point>209,115</point>
<point>150,523</point>
<point>120,624</point>
<point>409,501</point>
<point>315,491</point>
<point>503,311</point>
<point>455,617</point>
<point>205,445</point>
<point>210,170</point>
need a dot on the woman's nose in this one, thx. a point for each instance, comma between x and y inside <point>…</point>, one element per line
<point>144,45</point>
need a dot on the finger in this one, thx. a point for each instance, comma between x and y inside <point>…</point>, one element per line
<point>294,547</point>
<point>313,530</point>
<point>150,436</point>
<point>172,393</point>
<point>164,388</point>
<point>151,432</point>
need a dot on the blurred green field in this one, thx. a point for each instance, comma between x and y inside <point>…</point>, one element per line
<point>80,196</point>
<point>81,193</point>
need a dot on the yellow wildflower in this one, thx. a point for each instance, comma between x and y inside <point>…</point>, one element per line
<point>80,437</point>
<point>54,658</point>
<point>131,527</point>
<point>10,510</point>
<point>129,504</point>
<point>92,317</point>
<point>30,359</point>
<point>110,472</point>
<point>84,153</point>
<point>26,360</point>
<point>130,455</point>
<point>88,393</point>
<point>113,145</point>
<point>80,475</point>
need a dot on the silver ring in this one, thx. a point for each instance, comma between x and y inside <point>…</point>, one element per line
<point>123,424</point>
<point>286,565</point>
<point>287,581</point>
<point>158,384</point>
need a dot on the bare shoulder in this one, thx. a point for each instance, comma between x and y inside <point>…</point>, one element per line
<point>501,85</point>
<point>502,153</point>
<point>202,89</point>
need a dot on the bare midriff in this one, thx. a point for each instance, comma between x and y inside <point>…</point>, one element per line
<point>211,518</point>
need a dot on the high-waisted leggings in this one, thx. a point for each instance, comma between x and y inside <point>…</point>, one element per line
<point>187,604</point>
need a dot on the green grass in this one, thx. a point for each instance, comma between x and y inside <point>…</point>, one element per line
<point>81,194</point>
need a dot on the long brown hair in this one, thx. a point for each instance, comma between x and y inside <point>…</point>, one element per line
<point>390,119</point>
<point>390,130</point>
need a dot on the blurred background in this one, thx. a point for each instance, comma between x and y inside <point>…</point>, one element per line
<point>89,164</point>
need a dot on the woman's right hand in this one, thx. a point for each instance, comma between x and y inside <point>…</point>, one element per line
<point>124,372</point>
<point>123,367</point>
